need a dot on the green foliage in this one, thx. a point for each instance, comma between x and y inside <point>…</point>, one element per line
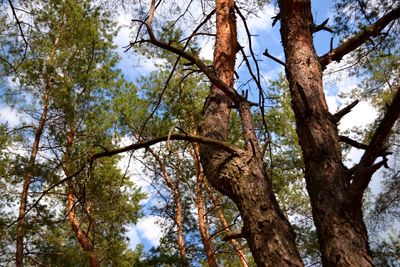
<point>73,57</point>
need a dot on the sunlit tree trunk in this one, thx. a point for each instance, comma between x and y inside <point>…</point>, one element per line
<point>29,174</point>
<point>225,225</point>
<point>176,195</point>
<point>203,226</point>
<point>83,237</point>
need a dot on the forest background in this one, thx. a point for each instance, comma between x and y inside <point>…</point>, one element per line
<point>78,80</point>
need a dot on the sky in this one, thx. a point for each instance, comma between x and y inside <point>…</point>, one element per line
<point>147,231</point>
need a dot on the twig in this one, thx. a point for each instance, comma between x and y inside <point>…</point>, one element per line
<point>274,58</point>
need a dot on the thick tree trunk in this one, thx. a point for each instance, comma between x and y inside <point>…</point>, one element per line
<point>340,227</point>
<point>82,236</point>
<point>242,177</point>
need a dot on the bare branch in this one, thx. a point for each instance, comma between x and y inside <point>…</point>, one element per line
<point>233,235</point>
<point>352,142</point>
<point>337,116</point>
<point>210,73</point>
<point>322,27</point>
<point>360,38</point>
<point>145,144</point>
<point>273,58</point>
<point>177,136</point>
<point>276,18</point>
<point>18,23</point>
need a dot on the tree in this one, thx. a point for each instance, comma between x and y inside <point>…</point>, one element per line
<point>71,66</point>
<point>335,192</point>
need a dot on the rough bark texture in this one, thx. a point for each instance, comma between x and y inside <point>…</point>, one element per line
<point>340,227</point>
<point>242,177</point>
<point>82,236</point>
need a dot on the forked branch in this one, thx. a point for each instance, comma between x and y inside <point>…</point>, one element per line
<point>375,149</point>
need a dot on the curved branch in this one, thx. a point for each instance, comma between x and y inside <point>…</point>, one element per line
<point>360,38</point>
<point>177,136</point>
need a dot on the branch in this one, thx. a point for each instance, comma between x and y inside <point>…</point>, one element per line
<point>188,137</point>
<point>18,23</point>
<point>360,38</point>
<point>276,18</point>
<point>233,235</point>
<point>352,142</point>
<point>337,116</point>
<point>375,149</point>
<point>210,73</point>
<point>322,27</point>
<point>177,136</point>
<point>274,58</point>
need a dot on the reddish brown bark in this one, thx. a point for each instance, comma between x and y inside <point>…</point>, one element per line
<point>82,236</point>
<point>336,209</point>
<point>176,194</point>
<point>28,179</point>
<point>242,177</point>
<point>20,231</point>
<point>225,225</point>
<point>203,226</point>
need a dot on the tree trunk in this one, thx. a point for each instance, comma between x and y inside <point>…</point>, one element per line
<point>225,225</point>
<point>29,174</point>
<point>82,236</point>
<point>203,226</point>
<point>176,195</point>
<point>340,227</point>
<point>31,164</point>
<point>242,177</point>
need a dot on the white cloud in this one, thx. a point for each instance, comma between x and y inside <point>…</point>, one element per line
<point>332,102</point>
<point>9,115</point>
<point>207,48</point>
<point>147,230</point>
<point>360,116</point>
<point>263,20</point>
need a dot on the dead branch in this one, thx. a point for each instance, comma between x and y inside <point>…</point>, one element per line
<point>277,60</point>
<point>337,116</point>
<point>233,235</point>
<point>352,142</point>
